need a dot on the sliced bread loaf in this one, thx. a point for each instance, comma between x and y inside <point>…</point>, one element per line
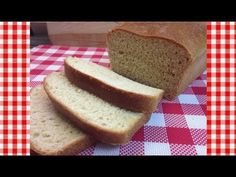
<point>51,133</point>
<point>168,56</point>
<point>102,120</point>
<point>111,86</point>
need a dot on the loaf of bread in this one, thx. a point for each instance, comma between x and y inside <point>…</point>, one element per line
<point>168,56</point>
<point>111,86</point>
<point>50,132</point>
<point>100,119</point>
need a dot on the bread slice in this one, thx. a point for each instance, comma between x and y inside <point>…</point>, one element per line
<point>51,133</point>
<point>168,56</point>
<point>111,86</point>
<point>102,120</point>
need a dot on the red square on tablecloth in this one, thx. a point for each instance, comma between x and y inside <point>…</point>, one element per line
<point>188,90</point>
<point>199,90</point>
<point>41,53</point>
<point>139,136</point>
<point>63,48</point>
<point>179,135</point>
<point>57,54</point>
<point>47,62</point>
<point>96,56</point>
<point>36,71</point>
<point>172,108</point>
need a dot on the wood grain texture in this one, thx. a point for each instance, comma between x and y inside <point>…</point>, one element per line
<point>83,34</point>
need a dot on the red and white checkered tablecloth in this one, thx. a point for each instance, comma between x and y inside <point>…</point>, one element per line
<point>178,127</point>
<point>14,88</point>
<point>221,74</point>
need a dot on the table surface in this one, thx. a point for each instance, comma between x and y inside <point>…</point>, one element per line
<point>177,127</point>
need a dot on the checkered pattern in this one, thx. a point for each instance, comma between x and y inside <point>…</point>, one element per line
<point>177,128</point>
<point>14,88</point>
<point>221,88</point>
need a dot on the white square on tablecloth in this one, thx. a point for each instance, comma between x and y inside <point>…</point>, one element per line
<point>19,136</point>
<point>157,119</point>
<point>32,66</point>
<point>9,136</point>
<point>195,121</point>
<point>28,146</point>
<point>188,99</point>
<point>19,145</point>
<point>104,61</point>
<point>39,78</point>
<point>60,59</point>
<point>19,41</point>
<point>9,79</point>
<point>10,107</point>
<point>51,51</point>
<point>42,58</point>
<point>10,127</point>
<point>89,52</point>
<point>53,67</point>
<point>201,150</point>
<point>105,54</point>
<point>70,52</point>
<point>9,41</point>
<point>9,146</point>
<point>103,149</point>
<point>151,148</point>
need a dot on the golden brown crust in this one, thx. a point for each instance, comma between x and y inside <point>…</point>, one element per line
<point>71,149</point>
<point>179,33</point>
<point>121,98</point>
<point>96,132</point>
<point>191,73</point>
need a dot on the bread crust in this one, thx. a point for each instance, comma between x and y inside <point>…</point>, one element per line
<point>71,149</point>
<point>103,135</point>
<point>196,31</point>
<point>121,98</point>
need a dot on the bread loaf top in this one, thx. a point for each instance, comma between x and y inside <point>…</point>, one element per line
<point>189,35</point>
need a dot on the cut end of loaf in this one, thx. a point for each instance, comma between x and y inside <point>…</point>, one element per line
<point>156,62</point>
